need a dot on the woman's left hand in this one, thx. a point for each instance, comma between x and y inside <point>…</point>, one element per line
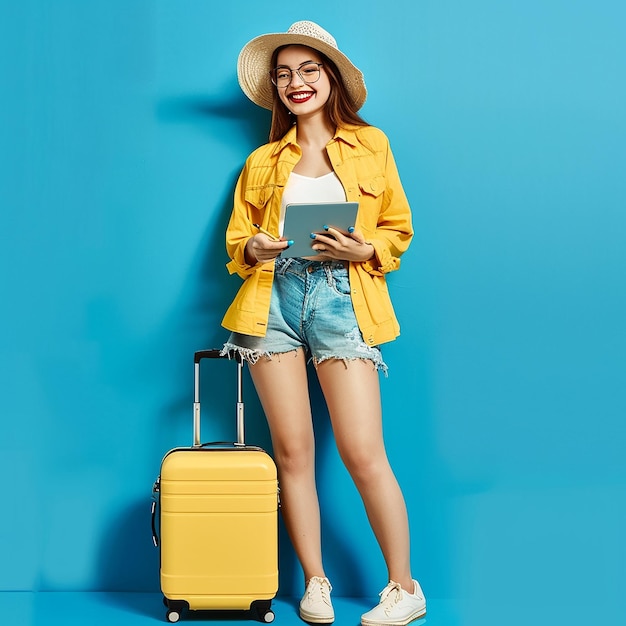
<point>339,245</point>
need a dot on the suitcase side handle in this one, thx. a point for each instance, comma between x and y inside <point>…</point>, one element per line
<point>217,354</point>
<point>156,488</point>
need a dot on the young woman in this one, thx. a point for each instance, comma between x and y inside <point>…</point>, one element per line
<point>331,307</point>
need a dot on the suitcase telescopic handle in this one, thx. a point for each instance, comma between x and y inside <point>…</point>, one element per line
<point>217,354</point>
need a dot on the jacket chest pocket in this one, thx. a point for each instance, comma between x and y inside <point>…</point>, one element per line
<point>259,196</point>
<point>372,185</point>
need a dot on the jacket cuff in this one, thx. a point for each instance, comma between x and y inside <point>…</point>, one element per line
<point>383,261</point>
<point>238,264</point>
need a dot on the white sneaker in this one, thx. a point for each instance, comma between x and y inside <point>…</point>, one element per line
<point>315,606</point>
<point>397,607</point>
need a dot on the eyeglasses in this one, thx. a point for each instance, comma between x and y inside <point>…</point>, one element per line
<point>308,73</point>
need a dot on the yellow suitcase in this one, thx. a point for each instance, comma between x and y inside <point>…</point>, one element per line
<point>218,522</point>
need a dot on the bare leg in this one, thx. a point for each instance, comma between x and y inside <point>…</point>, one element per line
<point>281,384</point>
<point>352,394</point>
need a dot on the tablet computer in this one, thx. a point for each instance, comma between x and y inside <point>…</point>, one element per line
<point>302,219</point>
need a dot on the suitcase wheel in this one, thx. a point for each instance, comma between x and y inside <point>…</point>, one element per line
<point>175,609</point>
<point>262,611</point>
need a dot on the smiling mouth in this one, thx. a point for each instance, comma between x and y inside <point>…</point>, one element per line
<point>300,96</point>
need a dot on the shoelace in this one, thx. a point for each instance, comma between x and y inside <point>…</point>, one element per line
<point>389,599</point>
<point>323,586</point>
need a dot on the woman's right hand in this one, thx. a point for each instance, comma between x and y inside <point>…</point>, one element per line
<point>261,249</point>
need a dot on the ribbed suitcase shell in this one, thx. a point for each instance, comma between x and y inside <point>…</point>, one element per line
<point>219,530</point>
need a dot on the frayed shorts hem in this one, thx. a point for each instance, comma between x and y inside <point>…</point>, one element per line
<point>252,356</point>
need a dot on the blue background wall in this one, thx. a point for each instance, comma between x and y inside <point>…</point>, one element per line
<point>123,130</point>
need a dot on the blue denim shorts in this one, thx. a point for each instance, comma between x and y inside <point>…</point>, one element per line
<point>310,308</point>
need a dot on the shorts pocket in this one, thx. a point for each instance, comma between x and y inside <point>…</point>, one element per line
<point>340,282</point>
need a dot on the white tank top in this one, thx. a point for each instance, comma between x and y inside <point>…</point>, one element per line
<point>300,188</point>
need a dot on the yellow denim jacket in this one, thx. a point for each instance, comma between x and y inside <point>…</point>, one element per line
<point>363,162</point>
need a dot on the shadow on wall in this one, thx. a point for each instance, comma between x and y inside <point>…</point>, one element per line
<point>128,559</point>
<point>241,123</point>
<point>195,322</point>
<point>130,562</point>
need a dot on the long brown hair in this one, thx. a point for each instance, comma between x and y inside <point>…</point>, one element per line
<point>339,108</point>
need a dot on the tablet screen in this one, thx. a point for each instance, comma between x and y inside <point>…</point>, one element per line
<point>302,219</point>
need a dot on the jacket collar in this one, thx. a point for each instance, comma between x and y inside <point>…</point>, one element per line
<point>347,134</point>
<point>289,138</point>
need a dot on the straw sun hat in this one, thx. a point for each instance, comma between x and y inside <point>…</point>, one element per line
<point>253,65</point>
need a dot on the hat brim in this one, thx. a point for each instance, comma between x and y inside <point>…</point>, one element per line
<point>253,67</point>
